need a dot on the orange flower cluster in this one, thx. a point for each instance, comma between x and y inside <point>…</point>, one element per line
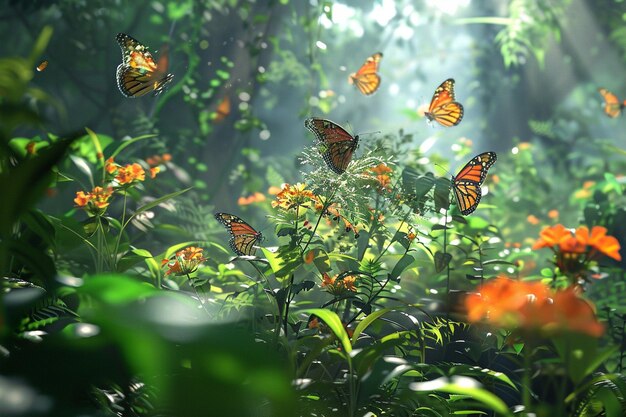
<point>185,262</point>
<point>293,196</point>
<point>338,287</point>
<point>381,172</point>
<point>532,308</point>
<point>156,160</point>
<point>129,173</point>
<point>256,197</point>
<point>333,211</point>
<point>579,242</point>
<point>97,200</point>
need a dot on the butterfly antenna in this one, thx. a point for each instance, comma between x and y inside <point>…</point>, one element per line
<point>377,132</point>
<point>451,174</point>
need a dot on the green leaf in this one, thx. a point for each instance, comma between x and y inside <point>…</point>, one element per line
<point>463,386</point>
<point>129,142</point>
<point>441,261</point>
<point>334,323</point>
<point>402,264</point>
<point>158,201</point>
<point>442,194</point>
<point>364,324</point>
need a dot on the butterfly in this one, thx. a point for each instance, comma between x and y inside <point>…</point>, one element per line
<point>443,108</point>
<point>366,79</point>
<point>612,106</point>
<point>138,74</point>
<point>466,184</point>
<point>243,238</point>
<point>336,144</point>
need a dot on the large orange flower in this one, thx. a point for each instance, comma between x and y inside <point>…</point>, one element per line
<point>551,236</point>
<point>599,240</point>
<point>532,307</point>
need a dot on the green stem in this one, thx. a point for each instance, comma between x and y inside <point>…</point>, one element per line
<point>526,379</point>
<point>198,295</point>
<point>119,236</point>
<point>327,204</point>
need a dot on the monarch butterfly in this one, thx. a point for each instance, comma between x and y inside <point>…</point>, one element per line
<point>243,237</point>
<point>467,183</point>
<point>612,106</point>
<point>366,79</point>
<point>443,108</point>
<point>336,144</point>
<point>138,74</point>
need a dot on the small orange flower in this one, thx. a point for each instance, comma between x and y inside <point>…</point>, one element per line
<point>553,214</point>
<point>130,173</point>
<point>588,184</point>
<point>82,199</point>
<point>314,323</point>
<point>185,262</point>
<point>154,171</point>
<point>349,283</point>
<point>532,219</point>
<point>523,146</point>
<point>495,179</point>
<point>100,196</point>
<point>338,287</point>
<point>293,196</point>
<point>110,166</point>
<point>410,236</point>
<point>257,197</point>
<point>381,169</point>
<point>273,190</point>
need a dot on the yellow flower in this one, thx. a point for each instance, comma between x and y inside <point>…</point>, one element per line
<point>154,171</point>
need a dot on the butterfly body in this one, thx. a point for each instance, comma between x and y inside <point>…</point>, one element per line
<point>243,238</point>
<point>336,144</point>
<point>138,74</point>
<point>612,105</point>
<point>366,79</point>
<point>466,184</point>
<point>443,108</point>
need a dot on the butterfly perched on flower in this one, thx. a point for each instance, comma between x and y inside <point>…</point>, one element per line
<point>466,184</point>
<point>443,109</point>
<point>366,79</point>
<point>243,238</point>
<point>612,106</point>
<point>138,74</point>
<point>336,144</point>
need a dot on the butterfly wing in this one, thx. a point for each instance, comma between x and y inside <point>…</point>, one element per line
<point>612,106</point>
<point>337,145</point>
<point>366,79</point>
<point>138,74</point>
<point>243,238</point>
<point>466,184</point>
<point>443,107</point>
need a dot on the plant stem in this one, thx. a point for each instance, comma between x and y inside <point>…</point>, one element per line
<point>119,236</point>
<point>198,295</point>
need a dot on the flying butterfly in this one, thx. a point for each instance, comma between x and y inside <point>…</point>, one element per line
<point>243,238</point>
<point>366,78</point>
<point>466,184</point>
<point>138,74</point>
<point>336,144</point>
<point>443,109</point>
<point>612,106</point>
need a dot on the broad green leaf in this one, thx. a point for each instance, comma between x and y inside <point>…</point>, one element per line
<point>363,324</point>
<point>129,142</point>
<point>334,323</point>
<point>158,201</point>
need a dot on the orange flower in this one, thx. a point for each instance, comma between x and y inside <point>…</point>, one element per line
<point>523,145</point>
<point>96,200</point>
<point>30,148</point>
<point>314,323</point>
<point>570,244</point>
<point>599,240</point>
<point>257,197</point>
<point>495,179</point>
<point>410,236</point>
<point>82,199</point>
<point>553,214</point>
<point>551,236</point>
<point>293,196</point>
<point>273,190</point>
<point>185,262</point>
<point>532,219</point>
<point>154,171</point>
<point>110,166</point>
<point>130,173</point>
<point>166,157</point>
<point>338,287</point>
<point>381,169</point>
<point>381,172</point>
<point>100,196</point>
<point>349,283</point>
<point>532,307</point>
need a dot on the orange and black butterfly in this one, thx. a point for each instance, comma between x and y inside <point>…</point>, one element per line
<point>138,74</point>
<point>612,106</point>
<point>366,79</point>
<point>42,66</point>
<point>443,109</point>
<point>243,238</point>
<point>466,184</point>
<point>336,144</point>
